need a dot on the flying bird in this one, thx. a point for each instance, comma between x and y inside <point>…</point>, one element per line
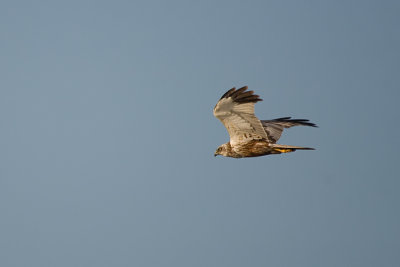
<point>249,136</point>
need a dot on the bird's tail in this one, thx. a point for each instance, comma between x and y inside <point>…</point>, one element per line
<point>278,149</point>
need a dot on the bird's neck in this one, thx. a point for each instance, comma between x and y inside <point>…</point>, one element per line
<point>231,152</point>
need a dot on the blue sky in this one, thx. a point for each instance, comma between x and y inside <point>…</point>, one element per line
<point>107,133</point>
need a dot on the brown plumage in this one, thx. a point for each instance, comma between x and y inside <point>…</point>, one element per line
<point>250,137</point>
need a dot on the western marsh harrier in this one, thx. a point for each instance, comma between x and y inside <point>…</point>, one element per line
<point>249,136</point>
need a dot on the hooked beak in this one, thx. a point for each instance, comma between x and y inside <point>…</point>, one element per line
<point>215,154</point>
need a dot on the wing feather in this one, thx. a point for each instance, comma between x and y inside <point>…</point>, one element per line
<point>235,110</point>
<point>274,128</point>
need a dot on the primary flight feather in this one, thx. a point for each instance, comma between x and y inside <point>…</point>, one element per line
<point>249,136</point>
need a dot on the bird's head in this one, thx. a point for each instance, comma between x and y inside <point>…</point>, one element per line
<point>222,150</point>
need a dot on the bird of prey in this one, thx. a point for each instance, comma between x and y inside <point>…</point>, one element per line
<point>249,136</point>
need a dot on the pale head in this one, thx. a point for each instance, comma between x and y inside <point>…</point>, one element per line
<point>222,150</point>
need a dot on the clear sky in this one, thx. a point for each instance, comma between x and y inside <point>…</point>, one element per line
<point>107,134</point>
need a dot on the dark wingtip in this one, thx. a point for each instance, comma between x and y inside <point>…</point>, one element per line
<point>241,95</point>
<point>228,93</point>
<point>299,121</point>
<point>305,122</point>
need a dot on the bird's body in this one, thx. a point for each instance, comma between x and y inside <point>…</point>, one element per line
<point>256,148</point>
<point>249,136</point>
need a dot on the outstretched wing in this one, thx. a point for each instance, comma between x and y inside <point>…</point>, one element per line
<point>235,110</point>
<point>274,128</point>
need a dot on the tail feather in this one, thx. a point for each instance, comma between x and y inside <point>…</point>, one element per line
<point>286,148</point>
